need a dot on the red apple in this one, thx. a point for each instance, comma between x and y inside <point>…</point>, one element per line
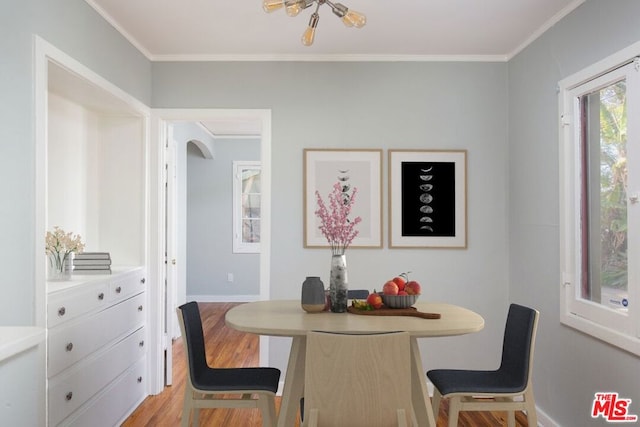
<point>413,288</point>
<point>374,300</point>
<point>390,288</point>
<point>402,293</point>
<point>400,281</point>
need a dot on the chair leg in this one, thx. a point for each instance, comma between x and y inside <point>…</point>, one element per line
<point>454,409</point>
<point>196,417</point>
<point>267,405</point>
<point>435,402</point>
<point>511,419</point>
<point>272,411</point>
<point>186,408</point>
<point>530,403</point>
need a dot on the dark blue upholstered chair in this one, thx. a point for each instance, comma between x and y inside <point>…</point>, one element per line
<point>357,294</point>
<point>469,390</point>
<point>205,384</point>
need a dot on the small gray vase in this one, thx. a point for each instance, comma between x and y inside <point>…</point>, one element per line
<point>313,297</point>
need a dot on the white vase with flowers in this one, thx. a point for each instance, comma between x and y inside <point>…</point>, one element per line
<point>339,231</point>
<point>60,247</point>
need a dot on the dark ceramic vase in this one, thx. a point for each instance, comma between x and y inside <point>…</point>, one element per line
<point>313,296</point>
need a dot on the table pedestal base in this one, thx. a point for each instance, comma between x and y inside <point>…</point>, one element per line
<point>294,386</point>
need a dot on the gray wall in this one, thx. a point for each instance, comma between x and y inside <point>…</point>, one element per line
<point>210,222</point>
<point>570,366</point>
<point>73,27</point>
<point>376,105</point>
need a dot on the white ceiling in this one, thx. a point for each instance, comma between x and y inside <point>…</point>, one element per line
<point>470,30</point>
<point>412,30</point>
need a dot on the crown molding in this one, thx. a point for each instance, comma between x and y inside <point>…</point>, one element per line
<point>550,23</point>
<point>328,58</point>
<point>119,28</point>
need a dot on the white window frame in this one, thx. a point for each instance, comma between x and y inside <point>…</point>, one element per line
<point>238,245</point>
<point>612,326</point>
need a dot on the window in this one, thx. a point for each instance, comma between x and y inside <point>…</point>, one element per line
<point>599,190</point>
<point>246,207</point>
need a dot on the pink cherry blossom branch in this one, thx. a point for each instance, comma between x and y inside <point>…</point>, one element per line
<point>335,225</point>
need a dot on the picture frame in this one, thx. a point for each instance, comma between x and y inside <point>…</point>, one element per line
<point>361,169</point>
<point>427,198</point>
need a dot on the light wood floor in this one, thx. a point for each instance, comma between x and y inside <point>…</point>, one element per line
<point>227,347</point>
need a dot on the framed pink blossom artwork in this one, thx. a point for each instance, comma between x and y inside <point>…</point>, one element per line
<point>342,198</point>
<point>427,199</point>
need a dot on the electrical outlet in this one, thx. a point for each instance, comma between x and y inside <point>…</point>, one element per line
<point>230,277</point>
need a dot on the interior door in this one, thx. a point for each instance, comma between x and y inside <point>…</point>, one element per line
<point>170,282</point>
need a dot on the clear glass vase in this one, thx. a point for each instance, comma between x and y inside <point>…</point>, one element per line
<point>58,267</point>
<point>338,283</point>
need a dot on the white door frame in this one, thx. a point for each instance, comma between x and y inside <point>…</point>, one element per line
<point>159,120</point>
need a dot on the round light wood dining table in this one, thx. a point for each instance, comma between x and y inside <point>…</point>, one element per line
<point>285,318</point>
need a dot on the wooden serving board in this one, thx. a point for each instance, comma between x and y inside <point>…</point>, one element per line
<point>386,311</point>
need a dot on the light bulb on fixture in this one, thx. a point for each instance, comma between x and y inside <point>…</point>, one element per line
<point>310,32</point>
<point>272,5</point>
<point>349,17</point>
<point>294,7</point>
<point>354,19</point>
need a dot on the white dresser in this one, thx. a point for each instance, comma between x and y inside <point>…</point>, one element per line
<point>96,348</point>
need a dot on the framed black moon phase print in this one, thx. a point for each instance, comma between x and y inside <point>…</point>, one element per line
<point>427,199</point>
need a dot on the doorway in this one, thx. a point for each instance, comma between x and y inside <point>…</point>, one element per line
<point>173,292</point>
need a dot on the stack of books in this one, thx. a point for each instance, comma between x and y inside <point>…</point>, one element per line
<point>92,263</point>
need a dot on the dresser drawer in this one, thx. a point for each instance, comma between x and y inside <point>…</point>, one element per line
<point>68,304</point>
<point>126,285</point>
<point>71,342</point>
<point>113,404</point>
<point>69,390</point>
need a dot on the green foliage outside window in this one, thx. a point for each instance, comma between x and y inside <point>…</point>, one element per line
<point>613,185</point>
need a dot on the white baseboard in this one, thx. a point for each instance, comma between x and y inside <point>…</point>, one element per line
<point>223,298</point>
<point>544,420</point>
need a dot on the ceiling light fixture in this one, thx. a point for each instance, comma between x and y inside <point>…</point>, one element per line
<point>349,17</point>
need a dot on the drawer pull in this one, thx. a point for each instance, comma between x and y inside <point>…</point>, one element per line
<point>139,308</point>
<point>69,396</point>
<point>61,311</point>
<point>101,296</point>
<point>70,346</point>
<point>143,280</point>
<point>118,289</point>
<point>141,344</point>
<point>139,379</point>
